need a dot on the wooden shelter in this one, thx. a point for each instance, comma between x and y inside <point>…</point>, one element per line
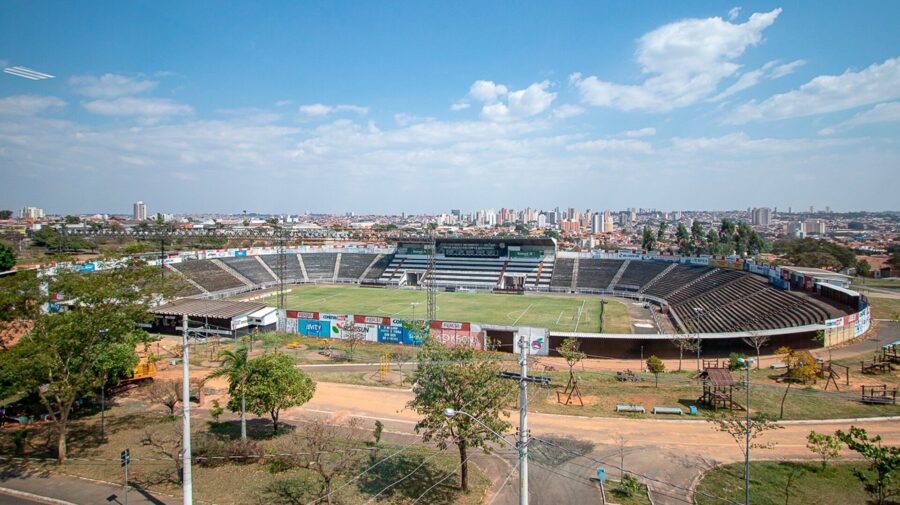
<point>718,388</point>
<point>879,394</point>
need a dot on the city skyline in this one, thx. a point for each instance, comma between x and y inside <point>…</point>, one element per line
<point>681,106</point>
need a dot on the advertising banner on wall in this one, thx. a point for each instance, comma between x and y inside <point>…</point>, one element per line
<point>538,340</point>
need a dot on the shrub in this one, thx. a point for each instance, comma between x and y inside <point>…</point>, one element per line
<point>734,361</point>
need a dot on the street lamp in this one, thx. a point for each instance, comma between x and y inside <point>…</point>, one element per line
<point>699,312</point>
<point>523,469</point>
<point>747,362</point>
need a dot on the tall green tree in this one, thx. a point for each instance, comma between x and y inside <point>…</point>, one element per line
<point>273,384</point>
<point>648,240</point>
<point>7,258</point>
<point>6,214</point>
<point>683,240</point>
<point>656,367</point>
<point>234,368</point>
<point>883,462</point>
<point>698,238</point>
<point>72,354</point>
<point>454,378</point>
<point>712,242</point>
<point>661,233</point>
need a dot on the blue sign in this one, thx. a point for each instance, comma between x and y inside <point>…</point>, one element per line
<point>88,267</point>
<point>601,474</point>
<point>240,253</point>
<point>391,334</point>
<point>312,328</point>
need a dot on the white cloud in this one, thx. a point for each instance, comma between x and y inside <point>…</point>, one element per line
<point>567,111</point>
<point>487,91</point>
<point>686,61</point>
<point>643,132</point>
<point>26,105</point>
<point>786,68</point>
<point>110,85</point>
<point>403,119</point>
<point>520,104</point>
<point>881,113</point>
<point>639,146</point>
<point>322,110</point>
<point>827,93</point>
<point>734,13</point>
<point>459,106</point>
<point>149,108</point>
<point>740,144</point>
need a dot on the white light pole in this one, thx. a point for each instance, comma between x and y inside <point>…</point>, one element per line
<point>187,483</point>
<point>747,363</point>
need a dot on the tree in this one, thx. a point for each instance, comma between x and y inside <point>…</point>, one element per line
<point>736,427</point>
<point>883,461</point>
<point>165,392</point>
<point>661,233</point>
<point>862,268</point>
<point>648,240</point>
<point>7,258</point>
<point>6,214</point>
<point>234,367</point>
<point>757,341</point>
<point>45,237</point>
<point>684,342</point>
<point>452,377</point>
<point>698,238</point>
<point>70,219</point>
<point>570,350</point>
<point>683,239</point>
<point>273,384</point>
<point>656,367</point>
<point>330,450</point>
<point>826,446</point>
<point>353,335</point>
<point>712,242</point>
<point>72,354</point>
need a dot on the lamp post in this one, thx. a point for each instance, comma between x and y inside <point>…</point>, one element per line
<point>699,312</point>
<point>523,470</point>
<point>747,362</point>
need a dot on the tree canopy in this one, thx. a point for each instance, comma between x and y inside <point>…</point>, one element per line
<point>810,252</point>
<point>454,378</point>
<point>273,384</point>
<point>7,258</point>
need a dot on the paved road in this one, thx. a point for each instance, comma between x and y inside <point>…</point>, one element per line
<point>78,491</point>
<point>6,499</point>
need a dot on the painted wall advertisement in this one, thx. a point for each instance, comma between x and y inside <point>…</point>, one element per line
<point>381,329</point>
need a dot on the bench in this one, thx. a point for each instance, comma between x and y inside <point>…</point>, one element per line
<point>668,410</point>
<point>778,366</point>
<point>630,408</point>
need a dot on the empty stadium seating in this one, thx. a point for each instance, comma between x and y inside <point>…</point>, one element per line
<point>292,272</point>
<point>208,275</point>
<point>639,273</point>
<point>562,273</point>
<point>596,273</point>
<point>250,268</point>
<point>319,265</point>
<point>354,264</point>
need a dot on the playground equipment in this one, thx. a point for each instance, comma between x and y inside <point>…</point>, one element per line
<point>878,364</point>
<point>718,388</point>
<point>879,394</point>
<point>384,368</point>
<point>828,372</point>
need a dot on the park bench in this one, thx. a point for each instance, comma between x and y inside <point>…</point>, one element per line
<point>668,410</point>
<point>630,408</point>
<point>778,366</point>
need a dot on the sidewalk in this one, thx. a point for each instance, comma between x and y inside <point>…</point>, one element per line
<point>80,491</point>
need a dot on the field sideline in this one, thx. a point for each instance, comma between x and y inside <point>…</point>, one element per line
<point>555,312</point>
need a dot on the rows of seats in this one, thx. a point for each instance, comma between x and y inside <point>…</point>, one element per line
<point>562,273</point>
<point>483,273</point>
<point>639,273</point>
<point>208,274</point>
<point>251,268</point>
<point>530,267</point>
<point>676,279</point>
<point>596,273</point>
<point>319,265</point>
<point>354,264</point>
<point>292,272</point>
<point>703,284</point>
<point>378,267</point>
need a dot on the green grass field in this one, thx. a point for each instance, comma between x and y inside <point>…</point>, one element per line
<point>557,313</point>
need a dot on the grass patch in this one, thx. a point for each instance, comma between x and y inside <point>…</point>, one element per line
<point>615,493</point>
<point>555,312</point>
<point>776,483</point>
<point>884,308</point>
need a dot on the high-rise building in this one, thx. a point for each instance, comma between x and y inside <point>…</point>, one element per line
<point>140,211</point>
<point>597,223</point>
<point>815,226</point>
<point>761,216</point>
<point>569,225</point>
<point>542,221</point>
<point>31,213</point>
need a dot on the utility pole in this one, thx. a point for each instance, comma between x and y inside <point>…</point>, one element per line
<point>186,486</point>
<point>747,440</point>
<point>523,420</point>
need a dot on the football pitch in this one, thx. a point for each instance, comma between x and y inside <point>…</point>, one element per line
<point>555,312</point>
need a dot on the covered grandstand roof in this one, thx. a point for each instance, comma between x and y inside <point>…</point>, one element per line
<point>514,241</point>
<point>222,309</point>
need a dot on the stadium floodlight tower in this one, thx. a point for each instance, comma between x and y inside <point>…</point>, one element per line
<point>430,284</point>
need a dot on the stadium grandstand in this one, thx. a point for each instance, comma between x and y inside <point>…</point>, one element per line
<point>720,298</point>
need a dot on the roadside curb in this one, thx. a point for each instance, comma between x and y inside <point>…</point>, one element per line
<point>36,497</point>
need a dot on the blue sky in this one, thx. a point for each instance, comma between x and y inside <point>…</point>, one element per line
<point>424,106</point>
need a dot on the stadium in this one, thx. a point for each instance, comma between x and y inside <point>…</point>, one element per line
<point>618,303</point>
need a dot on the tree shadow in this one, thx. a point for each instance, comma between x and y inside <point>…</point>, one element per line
<point>257,429</point>
<point>429,478</point>
<point>558,450</point>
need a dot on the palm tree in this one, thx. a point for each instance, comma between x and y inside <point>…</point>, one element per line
<point>234,367</point>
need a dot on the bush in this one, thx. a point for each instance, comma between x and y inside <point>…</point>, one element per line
<point>629,486</point>
<point>244,452</point>
<point>211,451</point>
<point>734,361</point>
<point>295,491</point>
